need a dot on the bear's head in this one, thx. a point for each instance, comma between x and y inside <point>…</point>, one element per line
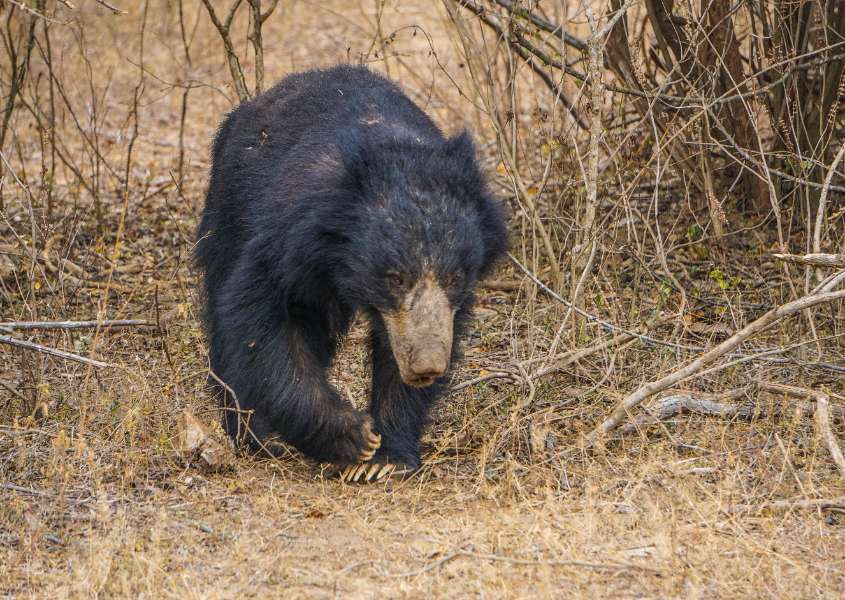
<point>426,230</point>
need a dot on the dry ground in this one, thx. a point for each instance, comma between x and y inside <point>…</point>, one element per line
<point>96,502</point>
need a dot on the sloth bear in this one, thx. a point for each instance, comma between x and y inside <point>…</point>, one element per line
<point>333,193</point>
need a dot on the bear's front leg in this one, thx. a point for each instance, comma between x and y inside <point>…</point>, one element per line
<point>400,412</point>
<point>285,388</point>
<point>274,369</point>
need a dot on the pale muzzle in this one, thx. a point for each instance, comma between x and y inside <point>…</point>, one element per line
<point>420,333</point>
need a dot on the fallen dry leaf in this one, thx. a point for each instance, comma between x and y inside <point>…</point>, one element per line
<point>195,442</point>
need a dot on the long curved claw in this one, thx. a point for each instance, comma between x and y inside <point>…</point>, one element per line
<point>386,470</point>
<point>359,471</point>
<point>371,472</point>
<point>374,470</point>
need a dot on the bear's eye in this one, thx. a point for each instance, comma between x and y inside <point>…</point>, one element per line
<point>453,280</point>
<point>396,279</point>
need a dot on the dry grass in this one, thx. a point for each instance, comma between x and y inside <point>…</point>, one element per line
<point>96,502</point>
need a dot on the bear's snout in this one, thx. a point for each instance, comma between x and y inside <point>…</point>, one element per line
<point>427,364</point>
<point>420,333</point>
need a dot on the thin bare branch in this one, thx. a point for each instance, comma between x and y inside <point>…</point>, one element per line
<point>258,19</point>
<point>677,404</point>
<point>773,316</point>
<point>5,339</point>
<point>543,24</point>
<point>523,51</point>
<point>814,259</point>
<point>826,433</point>
<point>238,78</point>
<point>821,210</point>
<point>107,324</point>
<point>789,505</point>
<point>114,9</point>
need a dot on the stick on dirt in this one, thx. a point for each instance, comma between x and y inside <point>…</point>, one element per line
<point>707,358</point>
<point>822,418</point>
<point>786,505</point>
<point>113,324</point>
<point>5,339</point>
<point>608,566</point>
<point>677,404</point>
<point>815,259</point>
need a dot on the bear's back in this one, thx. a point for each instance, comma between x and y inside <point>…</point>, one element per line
<point>288,144</point>
<point>318,104</point>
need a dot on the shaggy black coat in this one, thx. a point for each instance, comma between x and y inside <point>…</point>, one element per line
<point>320,187</point>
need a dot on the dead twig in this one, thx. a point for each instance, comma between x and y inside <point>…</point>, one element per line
<point>107,324</point>
<point>622,409</point>
<point>822,419</point>
<point>68,271</point>
<point>765,354</point>
<point>830,283</point>
<point>594,319</point>
<point>678,404</point>
<point>576,355</point>
<point>808,409</point>
<point>112,8</point>
<point>486,377</point>
<point>5,339</point>
<point>559,362</point>
<point>608,566</point>
<point>787,505</point>
<point>817,232</point>
<point>258,19</point>
<point>12,390</point>
<point>223,28</point>
<point>586,244</point>
<point>815,259</point>
<point>19,67</point>
<point>545,25</point>
<point>526,55</point>
<point>718,406</point>
<point>24,490</point>
<point>821,409</point>
<point>430,566</point>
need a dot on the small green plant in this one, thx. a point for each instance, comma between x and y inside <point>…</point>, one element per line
<point>723,280</point>
<point>694,232</point>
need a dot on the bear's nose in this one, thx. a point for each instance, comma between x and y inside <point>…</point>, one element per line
<point>427,365</point>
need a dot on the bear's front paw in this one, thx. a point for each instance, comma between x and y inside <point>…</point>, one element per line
<point>358,440</point>
<point>373,471</point>
<point>372,441</point>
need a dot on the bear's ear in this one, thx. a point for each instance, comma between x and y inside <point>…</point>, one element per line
<point>460,151</point>
<point>494,233</point>
<point>354,152</point>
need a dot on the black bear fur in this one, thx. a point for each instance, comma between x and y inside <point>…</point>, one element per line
<point>319,188</point>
